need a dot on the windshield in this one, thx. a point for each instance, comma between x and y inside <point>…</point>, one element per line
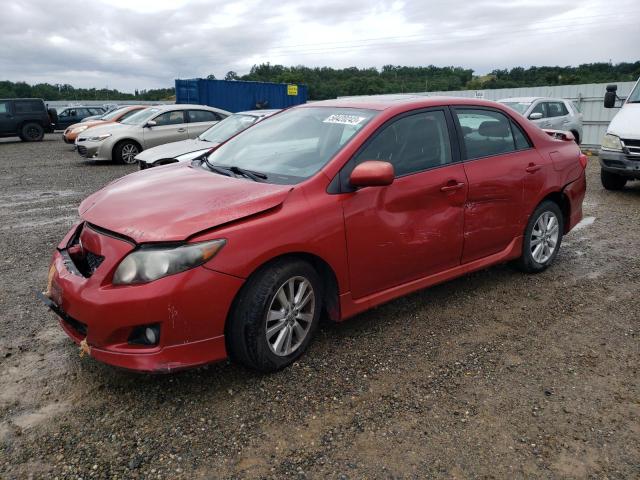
<point>519,107</point>
<point>634,96</point>
<point>113,113</point>
<point>142,117</point>
<point>228,127</point>
<point>293,145</point>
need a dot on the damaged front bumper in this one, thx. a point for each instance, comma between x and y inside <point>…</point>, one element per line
<point>189,308</point>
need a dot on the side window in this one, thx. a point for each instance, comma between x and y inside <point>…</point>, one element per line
<point>412,143</point>
<point>82,112</point>
<point>170,118</point>
<point>519,137</point>
<point>485,132</point>
<point>202,116</point>
<point>557,109</point>
<point>540,108</point>
<point>4,107</point>
<point>28,106</point>
<point>96,111</point>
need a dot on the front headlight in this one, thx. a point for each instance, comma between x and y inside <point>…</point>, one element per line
<point>151,263</point>
<point>79,129</point>
<point>611,142</point>
<point>99,138</point>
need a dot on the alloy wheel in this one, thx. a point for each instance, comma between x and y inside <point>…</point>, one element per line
<point>290,316</point>
<point>544,237</point>
<point>129,152</point>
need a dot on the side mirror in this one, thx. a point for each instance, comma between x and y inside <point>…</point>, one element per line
<point>150,123</point>
<point>535,116</point>
<point>610,96</point>
<point>372,173</point>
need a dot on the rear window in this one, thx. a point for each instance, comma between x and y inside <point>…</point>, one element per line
<point>202,116</point>
<point>28,106</point>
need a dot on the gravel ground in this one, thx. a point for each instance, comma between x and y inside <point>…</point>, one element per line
<point>496,375</point>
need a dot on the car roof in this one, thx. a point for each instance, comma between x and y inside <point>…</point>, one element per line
<point>530,99</point>
<point>399,101</point>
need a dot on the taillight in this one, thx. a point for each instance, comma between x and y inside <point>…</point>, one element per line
<point>583,160</point>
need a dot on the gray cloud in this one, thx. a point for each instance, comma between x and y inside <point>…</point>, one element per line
<point>107,43</point>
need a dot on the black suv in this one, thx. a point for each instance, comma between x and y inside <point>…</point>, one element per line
<point>27,118</point>
<point>69,115</point>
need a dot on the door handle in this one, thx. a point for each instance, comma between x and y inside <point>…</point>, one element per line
<point>533,168</point>
<point>565,122</point>
<point>180,130</point>
<point>451,186</point>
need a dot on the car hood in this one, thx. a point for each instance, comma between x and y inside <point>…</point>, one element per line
<point>174,149</point>
<point>91,123</point>
<point>112,128</point>
<point>174,202</point>
<point>626,123</point>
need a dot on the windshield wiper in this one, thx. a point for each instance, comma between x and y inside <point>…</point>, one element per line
<point>255,176</point>
<point>214,168</point>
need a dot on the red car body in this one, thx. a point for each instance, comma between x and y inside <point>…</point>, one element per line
<point>370,245</point>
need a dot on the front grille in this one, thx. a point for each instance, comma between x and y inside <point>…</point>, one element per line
<point>82,150</point>
<point>632,147</point>
<point>77,326</point>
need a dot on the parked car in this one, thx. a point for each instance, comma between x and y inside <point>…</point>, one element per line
<point>114,116</point>
<point>108,108</point>
<point>620,151</point>
<point>551,113</point>
<point>69,115</point>
<point>187,150</point>
<point>148,128</point>
<point>332,207</point>
<point>27,118</point>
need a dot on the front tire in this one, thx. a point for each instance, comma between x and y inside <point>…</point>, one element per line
<point>612,181</point>
<point>126,151</point>
<point>542,238</point>
<point>275,316</point>
<point>31,132</point>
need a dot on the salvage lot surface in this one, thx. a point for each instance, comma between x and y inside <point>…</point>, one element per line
<point>497,374</point>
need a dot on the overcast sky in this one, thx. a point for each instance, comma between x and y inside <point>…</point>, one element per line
<point>129,44</point>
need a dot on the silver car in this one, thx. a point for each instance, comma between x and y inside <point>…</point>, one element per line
<point>189,149</point>
<point>148,128</point>
<point>551,113</point>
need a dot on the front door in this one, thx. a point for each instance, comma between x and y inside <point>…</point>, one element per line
<point>170,127</point>
<point>505,174</point>
<point>413,227</point>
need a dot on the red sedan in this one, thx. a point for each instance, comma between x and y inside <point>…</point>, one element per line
<point>325,209</point>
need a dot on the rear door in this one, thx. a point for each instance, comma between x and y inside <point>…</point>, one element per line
<point>412,228</point>
<point>7,123</point>
<point>505,174</point>
<point>201,120</point>
<point>170,127</point>
<point>558,115</point>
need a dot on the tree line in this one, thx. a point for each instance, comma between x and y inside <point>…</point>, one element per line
<point>327,82</point>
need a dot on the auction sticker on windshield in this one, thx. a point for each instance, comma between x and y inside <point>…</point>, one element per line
<point>344,119</point>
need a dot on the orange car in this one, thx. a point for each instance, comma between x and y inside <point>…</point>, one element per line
<point>117,115</point>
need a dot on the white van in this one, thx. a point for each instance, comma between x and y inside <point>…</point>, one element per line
<point>620,151</point>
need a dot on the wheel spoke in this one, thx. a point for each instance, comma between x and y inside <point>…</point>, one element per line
<point>305,300</point>
<point>282,298</point>
<point>271,331</point>
<point>287,343</point>
<point>536,252</point>
<point>305,317</point>
<point>300,293</point>
<point>276,315</point>
<point>299,331</point>
<point>535,241</point>
<point>291,286</point>
<point>279,343</point>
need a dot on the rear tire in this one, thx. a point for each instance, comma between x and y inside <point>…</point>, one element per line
<point>126,151</point>
<point>612,181</point>
<point>542,238</point>
<point>31,132</point>
<point>275,315</point>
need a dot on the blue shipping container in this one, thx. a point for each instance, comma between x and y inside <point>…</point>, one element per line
<point>236,95</point>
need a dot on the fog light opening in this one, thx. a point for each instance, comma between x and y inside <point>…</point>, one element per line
<point>145,335</point>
